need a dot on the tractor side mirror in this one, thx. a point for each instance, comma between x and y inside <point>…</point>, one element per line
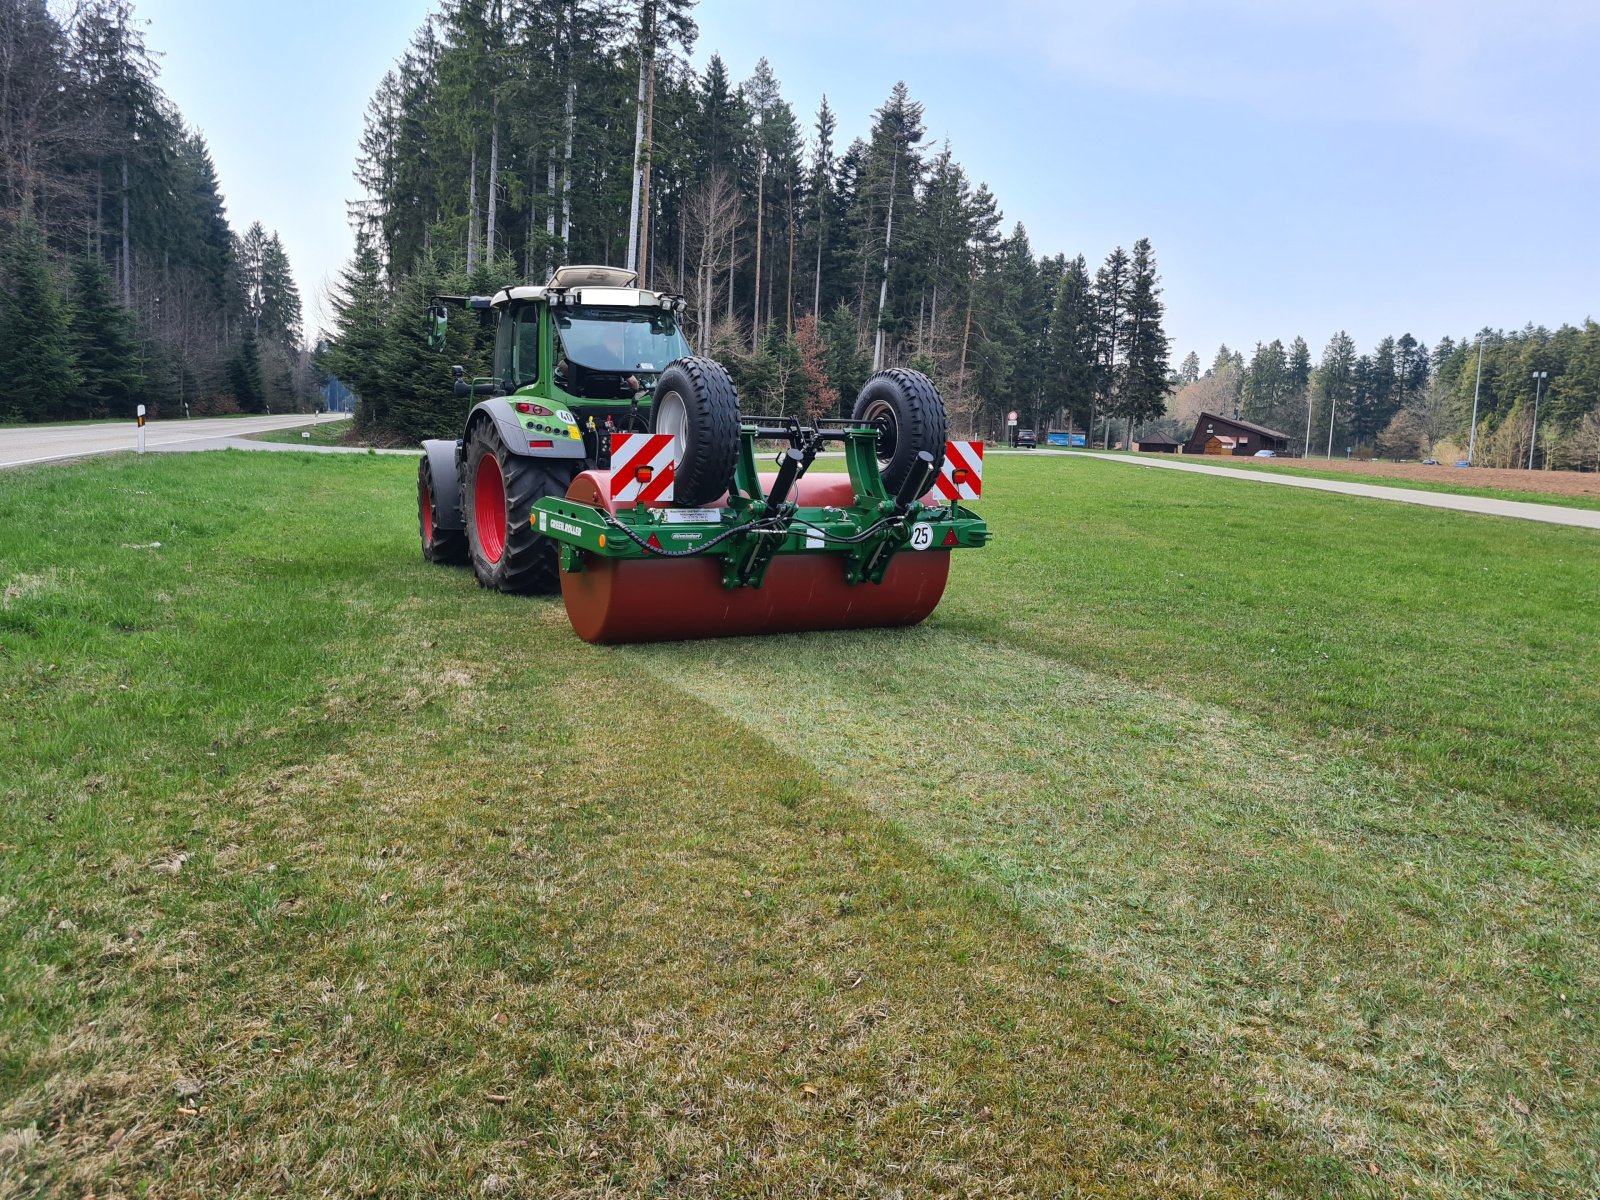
<point>438,321</point>
<point>463,389</point>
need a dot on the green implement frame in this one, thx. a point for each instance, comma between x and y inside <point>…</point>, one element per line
<point>759,523</point>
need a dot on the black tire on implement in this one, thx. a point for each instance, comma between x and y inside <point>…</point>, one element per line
<point>696,402</point>
<point>507,553</point>
<point>444,546</point>
<point>906,409</point>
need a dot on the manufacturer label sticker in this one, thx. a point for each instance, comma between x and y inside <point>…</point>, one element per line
<point>691,516</point>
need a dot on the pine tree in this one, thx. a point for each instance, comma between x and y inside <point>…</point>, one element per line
<point>1110,293</point>
<point>360,306</point>
<point>821,397</point>
<point>1189,372</point>
<point>39,377</point>
<point>106,344</point>
<point>244,375</point>
<point>1072,344</point>
<point>1144,391</point>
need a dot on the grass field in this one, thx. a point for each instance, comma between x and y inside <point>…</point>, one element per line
<point>1209,841</point>
<point>326,432</point>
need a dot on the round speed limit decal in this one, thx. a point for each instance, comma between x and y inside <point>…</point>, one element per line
<point>921,536</point>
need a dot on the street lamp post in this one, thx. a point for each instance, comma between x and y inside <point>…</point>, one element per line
<point>1533,438</point>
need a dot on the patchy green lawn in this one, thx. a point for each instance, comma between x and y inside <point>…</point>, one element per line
<point>328,431</point>
<point>1204,843</point>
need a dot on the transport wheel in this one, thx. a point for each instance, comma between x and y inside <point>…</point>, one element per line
<point>507,553</point>
<point>696,403</point>
<point>906,409</point>
<point>447,546</point>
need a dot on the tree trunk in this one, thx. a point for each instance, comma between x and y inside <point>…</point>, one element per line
<point>127,262</point>
<point>638,147</point>
<point>788,279</point>
<point>472,213</point>
<point>566,168</point>
<point>755,297</point>
<point>883,287</point>
<point>494,180</point>
<point>649,155</point>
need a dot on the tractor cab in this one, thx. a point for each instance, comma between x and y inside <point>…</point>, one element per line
<point>589,341</point>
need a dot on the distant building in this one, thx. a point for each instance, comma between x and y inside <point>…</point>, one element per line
<point>1215,434</point>
<point>1156,444</point>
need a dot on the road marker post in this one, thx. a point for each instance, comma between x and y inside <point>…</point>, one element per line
<point>139,416</point>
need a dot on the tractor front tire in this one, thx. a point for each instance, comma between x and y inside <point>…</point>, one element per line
<point>439,545</point>
<point>696,402</point>
<point>906,410</point>
<point>507,553</point>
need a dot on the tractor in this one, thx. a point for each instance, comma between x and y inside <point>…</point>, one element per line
<point>606,461</point>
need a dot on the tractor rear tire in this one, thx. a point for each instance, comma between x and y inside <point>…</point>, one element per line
<point>906,410</point>
<point>696,402</point>
<point>439,545</point>
<point>507,552</point>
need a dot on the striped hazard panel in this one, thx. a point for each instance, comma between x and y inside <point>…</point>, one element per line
<point>641,467</point>
<point>961,477</point>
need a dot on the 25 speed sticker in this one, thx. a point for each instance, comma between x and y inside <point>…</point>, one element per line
<point>921,535</point>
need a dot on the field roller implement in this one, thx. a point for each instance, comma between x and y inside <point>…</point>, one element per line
<point>781,552</point>
<point>608,462</point>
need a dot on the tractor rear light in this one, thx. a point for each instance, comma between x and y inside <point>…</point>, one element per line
<point>643,474</point>
<point>960,475</point>
<point>534,410</point>
<point>535,443</point>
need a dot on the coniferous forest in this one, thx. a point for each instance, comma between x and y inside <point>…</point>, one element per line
<point>121,279</point>
<point>515,135</point>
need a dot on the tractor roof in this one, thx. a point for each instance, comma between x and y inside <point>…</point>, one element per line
<point>613,297</point>
<point>606,277</point>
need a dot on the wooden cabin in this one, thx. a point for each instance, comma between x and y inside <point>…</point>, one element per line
<point>1215,434</point>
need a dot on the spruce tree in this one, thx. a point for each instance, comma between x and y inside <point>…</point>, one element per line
<point>1145,384</point>
<point>106,344</point>
<point>360,306</point>
<point>39,377</point>
<point>1072,344</point>
<point>244,376</point>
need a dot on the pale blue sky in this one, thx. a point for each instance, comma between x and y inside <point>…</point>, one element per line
<point>1428,166</point>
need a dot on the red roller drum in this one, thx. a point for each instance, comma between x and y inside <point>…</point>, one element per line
<point>671,599</point>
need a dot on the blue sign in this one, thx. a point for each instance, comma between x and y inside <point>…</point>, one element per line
<point>1056,438</point>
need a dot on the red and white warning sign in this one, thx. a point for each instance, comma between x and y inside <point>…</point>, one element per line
<point>642,467</point>
<point>961,477</point>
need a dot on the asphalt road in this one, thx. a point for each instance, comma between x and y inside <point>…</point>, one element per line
<point>1550,514</point>
<point>28,444</point>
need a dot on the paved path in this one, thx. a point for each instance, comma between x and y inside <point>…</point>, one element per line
<point>1551,514</point>
<point>27,444</point>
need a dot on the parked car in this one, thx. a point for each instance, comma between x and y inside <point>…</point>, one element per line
<point>1430,462</point>
<point>1265,454</point>
<point>1027,439</point>
<point>1463,463</point>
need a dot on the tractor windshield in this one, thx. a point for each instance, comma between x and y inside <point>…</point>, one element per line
<point>626,340</point>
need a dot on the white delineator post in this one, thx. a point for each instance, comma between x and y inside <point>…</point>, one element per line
<point>139,416</point>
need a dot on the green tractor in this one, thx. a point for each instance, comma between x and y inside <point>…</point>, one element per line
<point>607,461</point>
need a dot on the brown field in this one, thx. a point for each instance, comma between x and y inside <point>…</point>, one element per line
<point>1556,483</point>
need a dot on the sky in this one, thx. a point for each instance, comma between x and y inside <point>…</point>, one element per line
<point>1427,166</point>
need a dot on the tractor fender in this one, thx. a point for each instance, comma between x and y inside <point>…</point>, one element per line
<point>441,456</point>
<point>515,437</point>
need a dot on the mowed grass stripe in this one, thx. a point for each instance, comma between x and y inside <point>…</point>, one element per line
<point>1411,977</point>
<point>428,897</point>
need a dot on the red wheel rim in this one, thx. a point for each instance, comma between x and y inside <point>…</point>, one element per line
<point>425,503</point>
<point>489,508</point>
